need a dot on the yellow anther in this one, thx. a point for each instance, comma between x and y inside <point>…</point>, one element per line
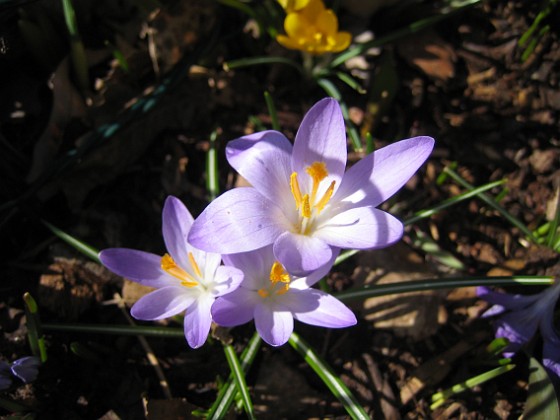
<point>306,207</point>
<point>263,293</point>
<point>278,274</point>
<point>194,265</point>
<point>325,199</point>
<point>296,192</point>
<point>317,171</point>
<point>170,267</point>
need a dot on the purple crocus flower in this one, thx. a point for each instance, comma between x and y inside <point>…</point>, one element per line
<point>5,377</point>
<point>302,201</point>
<point>519,318</point>
<point>186,278</point>
<point>274,298</point>
<point>26,369</point>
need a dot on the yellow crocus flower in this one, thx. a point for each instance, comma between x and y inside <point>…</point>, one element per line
<point>313,29</point>
<point>293,5</point>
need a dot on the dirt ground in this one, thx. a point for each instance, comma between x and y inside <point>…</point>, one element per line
<point>100,169</point>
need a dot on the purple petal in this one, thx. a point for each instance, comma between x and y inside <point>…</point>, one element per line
<point>518,327</point>
<point>551,340</point>
<point>177,222</point>
<point>226,280</point>
<point>26,368</point>
<point>302,283</point>
<point>255,265</point>
<point>361,228</point>
<point>197,321</point>
<point>163,303</point>
<point>139,266</point>
<point>315,307</point>
<point>236,308</point>
<point>494,310</point>
<point>5,382</point>
<point>551,353</point>
<point>274,326</point>
<point>301,254</point>
<point>239,220</point>
<point>382,173</point>
<point>321,138</point>
<point>263,159</point>
<point>511,302</point>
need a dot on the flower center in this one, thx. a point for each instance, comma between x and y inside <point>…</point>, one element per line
<point>279,281</point>
<point>170,267</point>
<point>308,206</point>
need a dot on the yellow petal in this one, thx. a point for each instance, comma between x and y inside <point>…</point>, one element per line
<point>288,42</point>
<point>296,26</point>
<point>327,22</point>
<point>342,41</point>
<point>293,5</point>
<point>312,10</point>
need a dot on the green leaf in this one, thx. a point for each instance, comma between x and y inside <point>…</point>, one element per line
<point>445,283</point>
<point>439,397</point>
<point>239,378</point>
<point>542,401</point>
<point>80,246</point>
<point>422,214</point>
<point>492,203</point>
<point>429,246</point>
<point>272,111</point>
<point>256,61</point>
<point>34,328</point>
<point>227,392</point>
<point>163,332</point>
<point>325,372</point>
<point>457,7</point>
<point>212,177</point>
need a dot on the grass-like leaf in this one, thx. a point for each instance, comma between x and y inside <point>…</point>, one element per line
<point>239,379</point>
<point>422,214</point>
<point>256,61</point>
<point>34,330</point>
<point>555,222</point>
<point>400,33</point>
<point>448,283</point>
<point>80,246</point>
<point>77,49</point>
<point>212,176</point>
<point>425,243</point>
<point>272,111</point>
<point>162,332</point>
<point>492,203</point>
<point>227,392</point>
<point>324,371</point>
<point>542,400</point>
<point>440,397</point>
